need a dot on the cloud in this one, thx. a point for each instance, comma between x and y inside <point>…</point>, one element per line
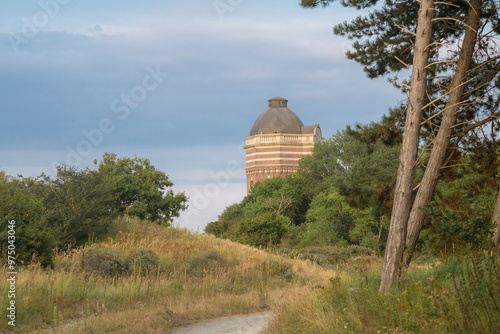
<point>207,202</point>
<point>63,83</point>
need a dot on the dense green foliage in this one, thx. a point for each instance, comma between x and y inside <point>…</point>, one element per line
<point>340,196</point>
<point>262,230</point>
<point>461,213</point>
<point>63,211</point>
<point>140,190</point>
<point>331,220</point>
<point>263,217</point>
<point>361,170</point>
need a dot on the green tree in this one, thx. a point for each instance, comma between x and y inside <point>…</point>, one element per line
<point>331,220</point>
<point>359,166</point>
<point>442,139</point>
<point>23,200</point>
<point>140,190</point>
<point>451,98</point>
<point>459,216</point>
<point>284,196</point>
<point>55,213</point>
<point>80,203</point>
<point>262,230</point>
<point>63,211</point>
<point>281,200</point>
<point>227,222</point>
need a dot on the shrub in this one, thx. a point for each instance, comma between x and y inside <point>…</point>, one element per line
<point>370,242</point>
<point>142,260</point>
<point>110,262</point>
<point>262,230</point>
<point>206,262</point>
<point>277,267</point>
<point>450,231</point>
<point>332,255</point>
<point>103,261</point>
<point>320,233</point>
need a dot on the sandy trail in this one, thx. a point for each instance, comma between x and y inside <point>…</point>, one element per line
<point>248,324</point>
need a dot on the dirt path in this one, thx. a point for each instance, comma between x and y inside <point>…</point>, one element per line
<point>248,324</point>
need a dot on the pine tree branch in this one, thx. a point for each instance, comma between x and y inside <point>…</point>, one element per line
<point>442,62</point>
<point>399,83</point>
<point>433,102</point>
<point>446,4</point>
<point>455,20</point>
<point>402,62</point>
<point>471,127</point>
<point>405,29</point>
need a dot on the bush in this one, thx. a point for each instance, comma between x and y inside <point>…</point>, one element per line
<point>333,255</point>
<point>103,261</point>
<point>262,230</point>
<point>227,223</point>
<point>110,262</point>
<point>450,231</point>
<point>329,220</point>
<point>142,261</point>
<point>277,267</point>
<point>320,233</point>
<point>209,261</point>
<point>370,242</point>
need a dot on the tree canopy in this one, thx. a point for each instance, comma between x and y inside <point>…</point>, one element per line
<point>139,189</point>
<point>454,92</point>
<point>343,196</point>
<point>62,211</point>
<point>357,165</point>
<point>383,44</point>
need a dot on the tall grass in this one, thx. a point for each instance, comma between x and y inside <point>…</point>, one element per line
<point>460,295</point>
<point>476,308</point>
<point>148,279</point>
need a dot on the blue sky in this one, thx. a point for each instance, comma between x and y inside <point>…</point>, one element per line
<point>177,82</point>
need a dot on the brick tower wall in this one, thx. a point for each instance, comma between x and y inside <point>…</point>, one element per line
<point>270,155</point>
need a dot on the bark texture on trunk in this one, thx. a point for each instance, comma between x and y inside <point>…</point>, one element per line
<point>496,222</point>
<point>406,171</point>
<point>442,140</point>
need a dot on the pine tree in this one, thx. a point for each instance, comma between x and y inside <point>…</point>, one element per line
<point>461,89</point>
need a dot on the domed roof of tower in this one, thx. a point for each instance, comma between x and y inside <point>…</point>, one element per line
<point>277,119</point>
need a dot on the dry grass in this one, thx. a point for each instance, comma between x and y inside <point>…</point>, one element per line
<point>453,295</point>
<point>198,277</point>
<point>151,279</point>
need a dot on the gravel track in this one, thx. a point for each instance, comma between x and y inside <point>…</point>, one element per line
<point>248,324</point>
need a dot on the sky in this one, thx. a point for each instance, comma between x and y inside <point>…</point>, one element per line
<point>177,82</point>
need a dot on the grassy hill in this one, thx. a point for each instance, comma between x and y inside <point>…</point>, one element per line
<point>146,278</point>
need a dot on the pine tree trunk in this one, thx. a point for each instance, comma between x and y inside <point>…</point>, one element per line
<point>442,140</point>
<point>406,171</point>
<point>496,222</point>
